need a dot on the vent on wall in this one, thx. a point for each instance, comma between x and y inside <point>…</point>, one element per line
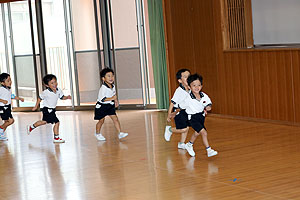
<point>237,24</point>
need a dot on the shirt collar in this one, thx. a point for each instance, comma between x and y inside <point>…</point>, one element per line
<point>6,87</point>
<point>48,88</point>
<point>194,97</point>
<point>104,83</point>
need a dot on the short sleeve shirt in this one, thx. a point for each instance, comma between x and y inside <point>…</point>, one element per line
<point>194,105</point>
<point>50,97</point>
<point>5,94</point>
<point>179,96</point>
<point>106,92</point>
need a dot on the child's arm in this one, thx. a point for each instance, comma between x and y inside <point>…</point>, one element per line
<point>19,98</point>
<point>3,101</point>
<point>170,113</point>
<point>66,97</point>
<point>111,98</point>
<point>38,101</point>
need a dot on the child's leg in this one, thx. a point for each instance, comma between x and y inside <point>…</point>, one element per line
<point>116,122</point>
<point>204,137</point>
<point>183,135</point>
<point>39,123</point>
<point>56,129</point>
<point>7,123</point>
<point>194,136</point>
<point>99,125</point>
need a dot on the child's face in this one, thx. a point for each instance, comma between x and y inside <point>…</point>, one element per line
<point>7,82</point>
<point>196,86</point>
<point>109,78</point>
<point>184,76</point>
<point>52,84</point>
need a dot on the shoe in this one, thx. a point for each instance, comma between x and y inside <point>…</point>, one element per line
<point>58,140</point>
<point>211,152</point>
<point>168,133</point>
<point>29,129</point>
<point>181,145</point>
<point>122,135</point>
<point>189,148</point>
<point>100,137</point>
<point>3,138</point>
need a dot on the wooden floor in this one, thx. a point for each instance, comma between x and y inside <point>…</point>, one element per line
<point>255,161</point>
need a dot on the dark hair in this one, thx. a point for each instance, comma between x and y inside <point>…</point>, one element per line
<point>178,74</point>
<point>48,78</point>
<point>105,71</point>
<point>3,77</point>
<point>194,77</point>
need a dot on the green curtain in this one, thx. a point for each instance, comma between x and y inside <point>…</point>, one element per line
<point>158,51</point>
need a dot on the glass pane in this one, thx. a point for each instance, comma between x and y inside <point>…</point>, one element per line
<point>125,33</point>
<point>3,67</point>
<point>23,52</point>
<point>86,50</point>
<point>26,84</point>
<point>56,46</point>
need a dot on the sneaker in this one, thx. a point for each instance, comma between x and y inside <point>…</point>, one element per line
<point>211,152</point>
<point>3,138</point>
<point>189,148</point>
<point>29,129</point>
<point>122,135</point>
<point>100,137</point>
<point>168,133</point>
<point>181,145</point>
<point>58,140</point>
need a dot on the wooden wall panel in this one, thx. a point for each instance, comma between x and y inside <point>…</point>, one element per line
<point>263,84</point>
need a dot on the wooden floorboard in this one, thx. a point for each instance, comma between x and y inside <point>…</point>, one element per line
<point>256,160</point>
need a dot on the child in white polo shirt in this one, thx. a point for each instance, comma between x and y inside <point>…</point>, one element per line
<point>49,97</point>
<point>5,103</point>
<point>197,104</point>
<point>106,103</point>
<point>175,111</point>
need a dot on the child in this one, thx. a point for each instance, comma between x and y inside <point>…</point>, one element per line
<point>106,103</point>
<point>180,116</point>
<point>5,103</point>
<point>197,105</point>
<point>49,96</point>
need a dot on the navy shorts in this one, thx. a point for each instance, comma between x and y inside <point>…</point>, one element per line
<point>102,110</point>
<point>197,122</point>
<point>181,120</point>
<point>49,115</point>
<point>5,112</point>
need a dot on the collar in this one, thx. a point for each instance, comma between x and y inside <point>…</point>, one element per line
<point>6,87</point>
<point>48,88</point>
<point>194,97</point>
<point>112,85</point>
<point>181,86</point>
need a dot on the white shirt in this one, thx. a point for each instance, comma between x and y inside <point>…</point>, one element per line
<point>50,97</point>
<point>193,105</point>
<point>5,94</point>
<point>179,96</point>
<point>106,92</point>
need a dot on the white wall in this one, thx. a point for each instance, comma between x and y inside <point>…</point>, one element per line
<point>276,21</point>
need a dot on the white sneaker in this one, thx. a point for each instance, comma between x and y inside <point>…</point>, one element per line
<point>100,137</point>
<point>168,133</point>
<point>29,129</point>
<point>181,145</point>
<point>3,138</point>
<point>189,148</point>
<point>211,152</point>
<point>122,135</point>
<point>58,140</point>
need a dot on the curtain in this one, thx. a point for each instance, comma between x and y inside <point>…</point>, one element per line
<point>158,51</point>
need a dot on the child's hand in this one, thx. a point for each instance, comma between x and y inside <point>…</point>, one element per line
<point>4,101</point>
<point>116,103</point>
<point>69,97</point>
<point>22,99</point>
<point>34,108</point>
